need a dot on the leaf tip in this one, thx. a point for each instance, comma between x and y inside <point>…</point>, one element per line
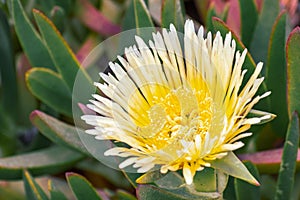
<point>33,114</point>
<point>68,174</point>
<point>294,31</point>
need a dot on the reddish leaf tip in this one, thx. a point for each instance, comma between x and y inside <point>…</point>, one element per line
<point>33,114</point>
<point>68,174</point>
<point>294,31</point>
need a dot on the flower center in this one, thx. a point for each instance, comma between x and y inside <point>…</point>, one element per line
<point>170,115</point>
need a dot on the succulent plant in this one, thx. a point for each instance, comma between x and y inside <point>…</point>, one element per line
<point>181,115</point>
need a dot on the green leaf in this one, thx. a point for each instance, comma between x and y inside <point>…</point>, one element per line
<point>244,190</point>
<point>150,177</point>
<point>183,192</point>
<point>57,131</point>
<point>49,87</point>
<point>81,187</point>
<point>171,180</point>
<point>131,177</point>
<point>276,75</point>
<point>46,6</point>
<point>173,12</point>
<point>261,36</point>
<point>143,20</point>
<point>249,63</point>
<point>55,194</point>
<point>210,14</point>
<point>268,187</point>
<point>293,71</point>
<point>7,69</point>
<point>67,5</point>
<point>46,161</point>
<point>210,180</point>
<point>206,180</point>
<point>123,195</point>
<point>33,190</point>
<point>58,17</point>
<point>229,192</point>
<point>30,40</point>
<point>152,192</point>
<point>64,59</point>
<point>249,16</point>
<point>127,22</point>
<point>96,168</point>
<point>10,192</point>
<point>232,166</point>
<point>28,102</point>
<point>288,165</point>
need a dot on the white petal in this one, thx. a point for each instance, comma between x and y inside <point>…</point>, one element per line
<point>187,174</point>
<point>127,162</point>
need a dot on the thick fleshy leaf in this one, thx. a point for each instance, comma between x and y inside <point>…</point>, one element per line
<point>229,192</point>
<point>81,187</point>
<point>8,141</point>
<point>249,16</point>
<point>31,42</point>
<point>293,71</point>
<point>132,177</point>
<point>67,5</point>
<point>58,17</point>
<point>201,7</point>
<point>28,102</point>
<point>276,75</point>
<point>288,165</point>
<point>64,59</point>
<point>249,63</point>
<point>150,177</point>
<point>10,191</point>
<point>55,194</point>
<point>210,14</point>
<point>205,185</point>
<point>210,180</point>
<point>267,162</point>
<point>7,69</point>
<point>232,166</point>
<point>143,19</point>
<point>173,12</point>
<point>49,87</point>
<point>153,192</point>
<point>33,190</point>
<point>261,36</point>
<point>127,22</point>
<point>57,131</point>
<point>94,168</point>
<point>244,190</point>
<point>268,187</point>
<point>172,180</point>
<point>46,161</point>
<point>206,180</point>
<point>122,195</point>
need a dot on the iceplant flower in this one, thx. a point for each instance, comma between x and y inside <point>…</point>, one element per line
<point>178,107</point>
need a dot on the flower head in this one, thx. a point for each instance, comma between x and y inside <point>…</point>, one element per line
<point>177,106</point>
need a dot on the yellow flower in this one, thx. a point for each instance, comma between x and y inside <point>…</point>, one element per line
<point>178,107</point>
